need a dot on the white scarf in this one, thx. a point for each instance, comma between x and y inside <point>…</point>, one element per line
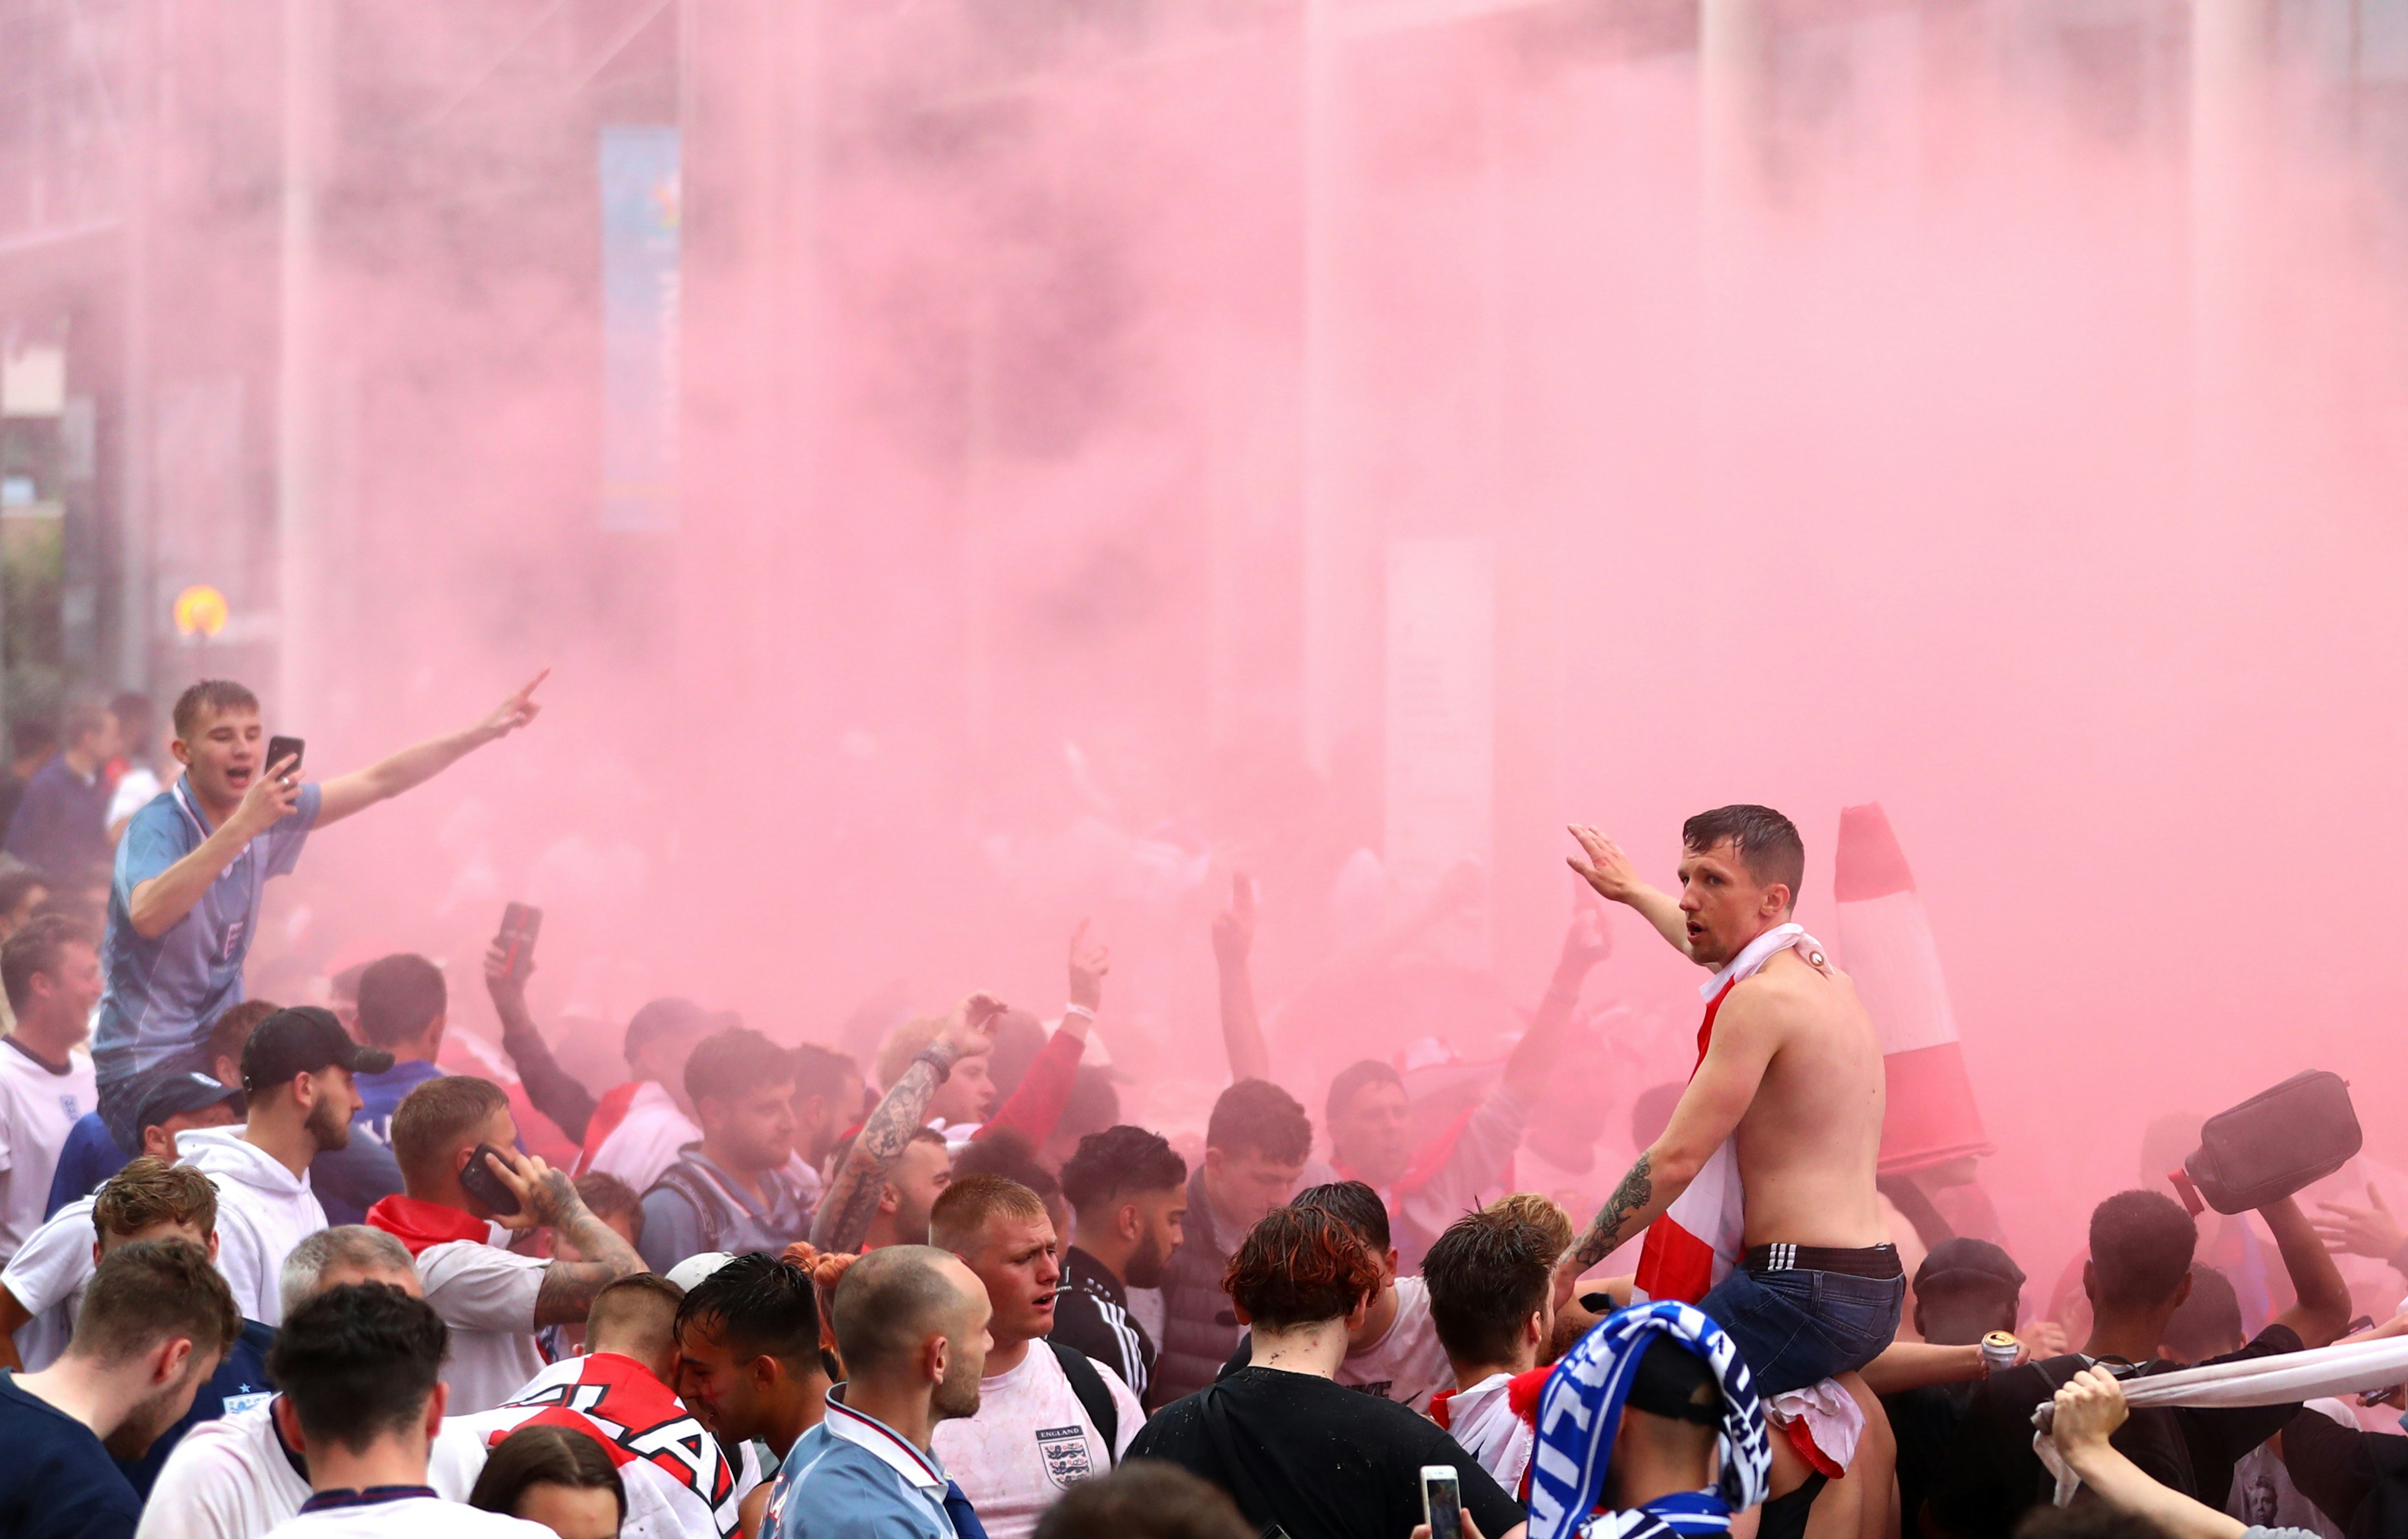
<point>2340,1368</point>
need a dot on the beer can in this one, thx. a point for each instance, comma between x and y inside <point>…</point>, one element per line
<point>1998,1350</point>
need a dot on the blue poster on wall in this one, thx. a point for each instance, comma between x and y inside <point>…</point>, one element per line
<point>639,327</point>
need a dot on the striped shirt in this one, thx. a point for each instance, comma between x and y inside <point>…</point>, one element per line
<point>1090,1313</point>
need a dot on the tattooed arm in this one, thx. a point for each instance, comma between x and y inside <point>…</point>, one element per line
<point>1710,1110</point>
<point>548,1198</point>
<point>851,1201</point>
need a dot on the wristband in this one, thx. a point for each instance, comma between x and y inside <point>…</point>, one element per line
<point>1563,996</point>
<point>1075,1007</point>
<point>943,1066</point>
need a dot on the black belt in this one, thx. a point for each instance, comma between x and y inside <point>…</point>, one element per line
<point>1879,1262</point>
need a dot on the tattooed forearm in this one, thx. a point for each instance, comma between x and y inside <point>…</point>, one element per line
<point>569,1286</point>
<point>1605,1232</point>
<point>851,1201</point>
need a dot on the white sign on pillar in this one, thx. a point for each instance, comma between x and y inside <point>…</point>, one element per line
<point>1442,720</point>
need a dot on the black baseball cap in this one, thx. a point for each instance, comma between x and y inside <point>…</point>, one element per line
<point>180,1093</point>
<point>302,1039</point>
<point>1968,1265</point>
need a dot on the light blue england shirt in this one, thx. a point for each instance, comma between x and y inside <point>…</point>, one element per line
<point>160,995</point>
<point>854,1475</point>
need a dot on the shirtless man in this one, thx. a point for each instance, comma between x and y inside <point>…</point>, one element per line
<point>1793,1073</point>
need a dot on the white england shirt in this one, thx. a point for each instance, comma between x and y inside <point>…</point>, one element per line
<point>37,1105</point>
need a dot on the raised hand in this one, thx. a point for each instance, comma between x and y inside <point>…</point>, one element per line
<point>1602,864</point>
<point>2360,1231</point>
<point>1233,927</point>
<point>519,710</point>
<point>969,1030</point>
<point>1088,964</point>
<point>498,976</point>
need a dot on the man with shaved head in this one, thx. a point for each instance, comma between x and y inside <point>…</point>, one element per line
<point>911,1327</point>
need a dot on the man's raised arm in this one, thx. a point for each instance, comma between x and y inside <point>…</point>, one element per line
<point>851,1201</point>
<point>1609,872</point>
<point>1586,943</point>
<point>1710,1110</point>
<point>155,905</point>
<point>2322,1312</point>
<point>1232,945</point>
<point>393,774</point>
<point>547,1198</point>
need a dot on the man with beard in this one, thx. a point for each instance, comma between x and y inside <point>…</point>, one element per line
<point>729,1190</point>
<point>1129,1188</point>
<point>153,1324</point>
<point>911,1326</point>
<point>296,1070</point>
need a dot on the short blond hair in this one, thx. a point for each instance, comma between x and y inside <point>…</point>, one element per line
<point>904,1043</point>
<point>964,1208</point>
<point>1540,1212</point>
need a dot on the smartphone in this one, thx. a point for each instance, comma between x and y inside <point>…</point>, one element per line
<point>1442,1502</point>
<point>478,1180</point>
<point>521,924</point>
<point>281,749</point>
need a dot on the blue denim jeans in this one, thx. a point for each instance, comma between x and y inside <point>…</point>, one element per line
<point>1799,1328</point>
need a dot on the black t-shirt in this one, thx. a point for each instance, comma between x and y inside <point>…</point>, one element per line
<point>1319,1460</point>
<point>1923,1420</point>
<point>1989,1476</point>
<point>56,1481</point>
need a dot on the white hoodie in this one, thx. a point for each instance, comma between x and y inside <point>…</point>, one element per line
<point>263,1210</point>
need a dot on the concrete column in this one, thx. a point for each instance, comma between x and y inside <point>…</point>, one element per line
<point>301,375</point>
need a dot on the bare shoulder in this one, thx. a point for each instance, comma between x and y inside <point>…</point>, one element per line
<point>1790,991</point>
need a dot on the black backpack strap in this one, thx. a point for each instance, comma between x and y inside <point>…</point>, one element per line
<point>690,1184</point>
<point>1096,1400</point>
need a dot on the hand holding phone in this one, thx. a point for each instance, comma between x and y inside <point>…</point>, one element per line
<point>1442,1502</point>
<point>281,749</point>
<point>515,940</point>
<point>480,1181</point>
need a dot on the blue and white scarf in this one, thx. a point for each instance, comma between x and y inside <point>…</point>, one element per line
<point>1581,1407</point>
